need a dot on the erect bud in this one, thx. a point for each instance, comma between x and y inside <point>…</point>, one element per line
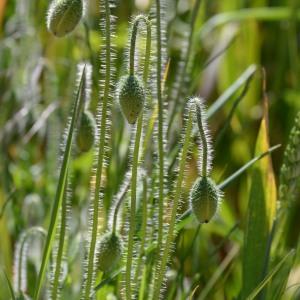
<point>63,16</point>
<point>204,199</point>
<point>131,96</point>
<point>86,132</point>
<point>110,251</point>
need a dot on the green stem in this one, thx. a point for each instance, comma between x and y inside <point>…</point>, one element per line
<point>177,196</point>
<point>142,232</point>
<point>133,205</point>
<point>31,232</point>
<point>136,151</point>
<point>117,207</point>
<point>170,234</point>
<point>59,192</point>
<point>160,127</point>
<point>61,242</point>
<point>186,61</point>
<point>202,137</point>
<point>103,125</point>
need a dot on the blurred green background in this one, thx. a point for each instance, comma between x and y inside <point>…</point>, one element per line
<point>37,75</point>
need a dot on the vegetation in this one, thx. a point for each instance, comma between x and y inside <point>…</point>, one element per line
<point>149,149</point>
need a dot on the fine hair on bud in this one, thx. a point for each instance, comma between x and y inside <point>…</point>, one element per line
<point>63,16</point>
<point>131,97</point>
<point>204,199</point>
<point>86,134</point>
<point>204,195</point>
<point>110,250</point>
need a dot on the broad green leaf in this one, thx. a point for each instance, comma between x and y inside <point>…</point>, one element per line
<point>261,213</point>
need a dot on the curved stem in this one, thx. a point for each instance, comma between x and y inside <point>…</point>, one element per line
<point>202,137</point>
<point>32,231</point>
<point>117,207</point>
<point>133,44</point>
<point>136,150</point>
<point>177,195</point>
<point>91,254</point>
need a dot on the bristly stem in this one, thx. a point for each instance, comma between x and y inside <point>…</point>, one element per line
<point>135,161</point>
<point>21,255</point>
<point>186,60</point>
<point>160,126</point>
<point>177,195</point>
<point>117,207</point>
<point>103,125</point>
<point>202,136</point>
<point>143,231</point>
<point>60,250</point>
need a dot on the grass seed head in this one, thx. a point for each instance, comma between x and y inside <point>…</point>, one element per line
<point>131,97</point>
<point>63,16</point>
<point>204,199</point>
<point>86,133</point>
<point>110,251</point>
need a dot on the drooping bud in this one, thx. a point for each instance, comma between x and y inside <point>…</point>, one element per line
<point>86,132</point>
<point>63,16</point>
<point>204,199</point>
<point>110,251</point>
<point>131,97</point>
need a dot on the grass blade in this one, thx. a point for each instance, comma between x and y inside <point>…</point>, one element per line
<point>59,192</point>
<point>259,13</point>
<point>218,273</point>
<point>11,290</point>
<point>225,97</point>
<point>263,283</point>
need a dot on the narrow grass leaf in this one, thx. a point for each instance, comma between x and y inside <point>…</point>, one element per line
<point>10,288</point>
<point>226,96</point>
<point>267,279</point>
<point>59,192</point>
<point>258,13</point>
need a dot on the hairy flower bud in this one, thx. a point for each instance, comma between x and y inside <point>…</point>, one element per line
<point>63,16</point>
<point>131,96</point>
<point>110,251</point>
<point>86,133</point>
<point>204,199</point>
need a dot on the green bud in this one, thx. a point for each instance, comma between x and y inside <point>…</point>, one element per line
<point>204,199</point>
<point>63,16</point>
<point>110,251</point>
<point>131,96</point>
<point>86,133</point>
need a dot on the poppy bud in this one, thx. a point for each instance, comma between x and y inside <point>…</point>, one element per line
<point>204,199</point>
<point>110,251</point>
<point>131,96</point>
<point>63,16</point>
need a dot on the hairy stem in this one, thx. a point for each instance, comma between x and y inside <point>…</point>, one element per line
<point>160,126</point>
<point>117,207</point>
<point>203,138</point>
<point>60,251</point>
<point>143,232</point>
<point>177,195</point>
<point>186,62</point>
<point>136,150</point>
<point>96,200</point>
